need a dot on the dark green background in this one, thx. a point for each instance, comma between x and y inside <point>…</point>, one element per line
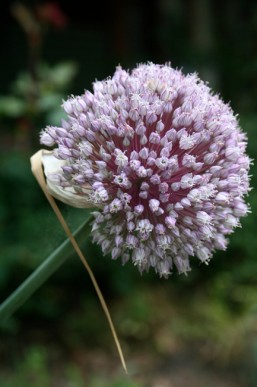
<point>211,315</point>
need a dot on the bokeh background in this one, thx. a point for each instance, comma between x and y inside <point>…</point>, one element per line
<point>199,330</point>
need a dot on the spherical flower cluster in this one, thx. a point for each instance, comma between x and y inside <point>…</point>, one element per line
<point>162,158</point>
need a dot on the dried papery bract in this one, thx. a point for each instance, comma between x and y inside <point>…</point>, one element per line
<point>164,160</point>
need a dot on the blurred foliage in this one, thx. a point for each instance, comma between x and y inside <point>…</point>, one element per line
<point>36,368</point>
<point>213,311</point>
<point>51,87</point>
<point>34,103</point>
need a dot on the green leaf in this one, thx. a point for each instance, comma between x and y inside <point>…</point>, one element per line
<point>50,101</point>
<point>63,73</point>
<point>12,106</point>
<point>42,273</point>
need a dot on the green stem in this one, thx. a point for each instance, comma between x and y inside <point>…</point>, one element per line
<point>41,274</point>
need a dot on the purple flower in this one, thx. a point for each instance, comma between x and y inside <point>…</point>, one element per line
<point>162,158</point>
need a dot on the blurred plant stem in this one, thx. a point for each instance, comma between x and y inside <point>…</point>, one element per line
<point>33,31</point>
<point>35,20</point>
<point>42,273</point>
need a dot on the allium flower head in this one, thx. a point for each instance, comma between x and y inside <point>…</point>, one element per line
<point>162,158</point>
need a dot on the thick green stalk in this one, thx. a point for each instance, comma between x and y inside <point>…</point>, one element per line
<point>41,274</point>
